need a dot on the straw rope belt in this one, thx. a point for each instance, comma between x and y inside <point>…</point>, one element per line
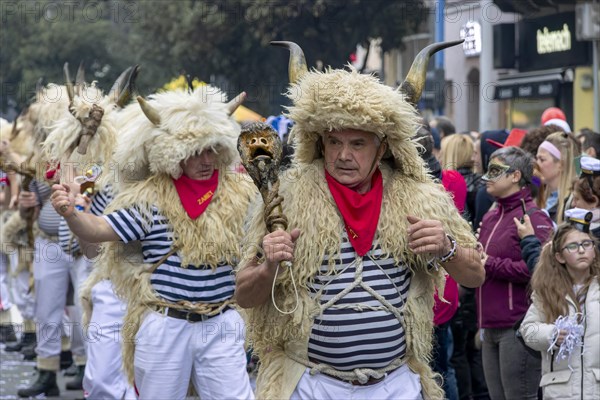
<point>360,375</point>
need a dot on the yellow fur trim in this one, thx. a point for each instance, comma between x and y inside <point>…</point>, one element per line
<point>65,343</point>
<point>5,317</point>
<point>28,326</point>
<point>48,364</point>
<point>309,206</point>
<point>80,361</point>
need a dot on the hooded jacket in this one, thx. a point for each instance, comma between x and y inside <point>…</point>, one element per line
<point>503,299</point>
<point>561,379</point>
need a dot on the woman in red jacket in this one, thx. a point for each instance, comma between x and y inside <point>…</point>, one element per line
<point>510,372</point>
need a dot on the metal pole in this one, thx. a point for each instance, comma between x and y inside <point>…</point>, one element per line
<point>487,106</point>
<point>596,70</point>
<point>439,37</point>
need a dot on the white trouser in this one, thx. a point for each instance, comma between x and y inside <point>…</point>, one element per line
<point>5,303</point>
<point>400,384</point>
<point>169,350</point>
<point>52,271</point>
<point>81,269</point>
<point>19,288</point>
<point>104,377</point>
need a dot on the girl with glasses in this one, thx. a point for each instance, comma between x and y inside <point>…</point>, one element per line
<point>565,283</point>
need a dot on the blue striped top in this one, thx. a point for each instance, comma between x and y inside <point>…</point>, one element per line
<point>100,200</point>
<point>170,280</point>
<point>351,334</point>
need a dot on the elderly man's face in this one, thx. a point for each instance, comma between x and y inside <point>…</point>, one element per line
<point>350,157</point>
<point>200,166</point>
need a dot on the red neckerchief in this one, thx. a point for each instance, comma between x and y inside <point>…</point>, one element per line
<point>196,195</point>
<point>360,211</point>
<point>51,171</point>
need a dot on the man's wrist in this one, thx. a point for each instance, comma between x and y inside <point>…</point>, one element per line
<point>451,254</point>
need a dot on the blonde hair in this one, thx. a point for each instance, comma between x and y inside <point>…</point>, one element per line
<point>569,149</point>
<point>551,280</point>
<point>457,151</point>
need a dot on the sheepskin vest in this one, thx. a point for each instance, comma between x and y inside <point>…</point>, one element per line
<point>213,237</point>
<point>309,206</point>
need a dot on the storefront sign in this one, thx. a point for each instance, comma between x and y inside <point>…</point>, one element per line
<point>555,41</point>
<point>471,33</point>
<point>526,90</point>
<point>550,42</point>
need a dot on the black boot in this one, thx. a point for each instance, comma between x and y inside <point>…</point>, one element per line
<point>71,371</point>
<point>66,359</point>
<point>29,353</point>
<point>27,339</point>
<point>45,384</point>
<point>7,333</point>
<point>77,382</point>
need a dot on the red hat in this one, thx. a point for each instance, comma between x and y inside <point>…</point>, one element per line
<point>552,113</point>
<point>514,139</point>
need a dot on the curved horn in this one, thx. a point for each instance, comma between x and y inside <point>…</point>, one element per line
<point>235,103</point>
<point>297,66</point>
<point>190,83</point>
<point>412,87</point>
<point>115,88</point>
<point>14,132</point>
<point>80,77</point>
<point>123,87</point>
<point>68,83</point>
<point>39,83</point>
<point>149,111</point>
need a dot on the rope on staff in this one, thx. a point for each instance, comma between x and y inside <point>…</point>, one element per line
<point>275,219</point>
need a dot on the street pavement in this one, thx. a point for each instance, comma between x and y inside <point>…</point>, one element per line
<point>16,374</point>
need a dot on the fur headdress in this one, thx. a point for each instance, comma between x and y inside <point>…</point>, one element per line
<point>175,125</point>
<point>92,114</point>
<point>345,99</point>
<point>35,122</point>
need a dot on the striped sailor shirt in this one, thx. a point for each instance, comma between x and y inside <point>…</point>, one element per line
<point>49,219</point>
<point>357,331</point>
<point>68,243</point>
<point>194,283</point>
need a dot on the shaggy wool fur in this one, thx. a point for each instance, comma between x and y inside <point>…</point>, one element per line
<point>64,133</point>
<point>189,124</point>
<point>339,99</point>
<point>50,105</point>
<point>271,331</point>
<point>213,237</point>
<point>12,232</point>
<point>332,101</point>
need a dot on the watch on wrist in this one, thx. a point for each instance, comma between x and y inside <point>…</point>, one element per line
<point>452,253</point>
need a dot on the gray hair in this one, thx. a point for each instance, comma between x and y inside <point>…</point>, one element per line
<point>518,160</point>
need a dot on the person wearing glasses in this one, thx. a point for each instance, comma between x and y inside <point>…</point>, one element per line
<point>566,285</point>
<point>586,195</point>
<point>503,300</point>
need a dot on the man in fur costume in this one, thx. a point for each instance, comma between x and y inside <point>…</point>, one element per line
<point>352,317</point>
<point>186,217</point>
<point>102,376</point>
<point>54,268</point>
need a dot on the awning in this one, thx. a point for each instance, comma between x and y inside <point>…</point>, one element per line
<point>245,114</point>
<point>528,86</point>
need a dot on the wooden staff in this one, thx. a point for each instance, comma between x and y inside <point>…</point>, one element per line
<point>261,151</point>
